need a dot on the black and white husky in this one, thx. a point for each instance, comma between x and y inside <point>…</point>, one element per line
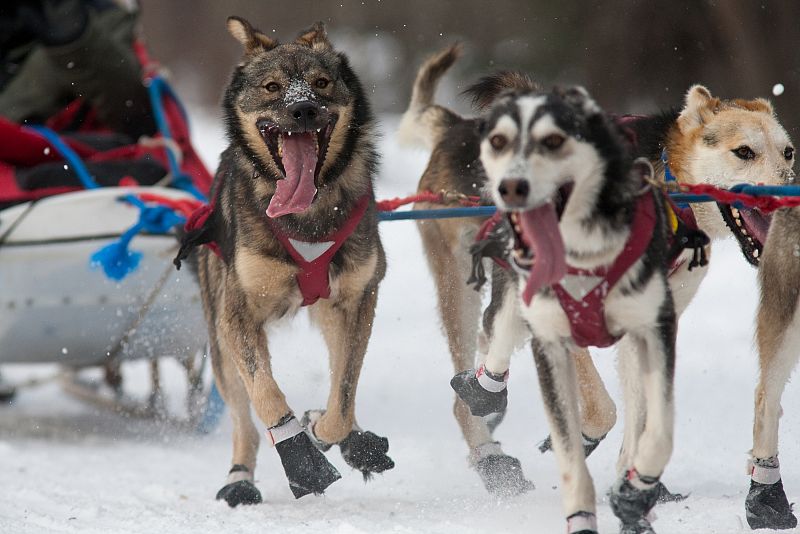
<point>592,244</point>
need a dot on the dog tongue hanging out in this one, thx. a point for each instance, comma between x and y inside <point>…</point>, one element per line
<point>295,193</point>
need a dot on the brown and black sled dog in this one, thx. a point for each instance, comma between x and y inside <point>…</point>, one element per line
<point>292,223</point>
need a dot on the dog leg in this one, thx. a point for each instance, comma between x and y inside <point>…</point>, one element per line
<point>459,307</point>
<point>766,505</point>
<point>484,391</point>
<point>346,325</point>
<point>637,491</point>
<point>239,487</point>
<point>559,387</point>
<point>243,339</point>
<point>598,411</point>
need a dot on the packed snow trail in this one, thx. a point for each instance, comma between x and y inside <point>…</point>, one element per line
<point>68,468</point>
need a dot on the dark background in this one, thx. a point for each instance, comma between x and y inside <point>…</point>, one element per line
<point>632,55</point>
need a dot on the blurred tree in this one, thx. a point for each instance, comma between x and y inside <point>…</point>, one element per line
<point>633,55</point>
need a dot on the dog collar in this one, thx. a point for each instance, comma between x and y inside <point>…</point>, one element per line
<point>669,177</point>
<point>314,257</point>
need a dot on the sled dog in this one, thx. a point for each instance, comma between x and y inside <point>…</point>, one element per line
<point>594,244</point>
<point>727,142</point>
<point>292,223</point>
<point>455,169</point>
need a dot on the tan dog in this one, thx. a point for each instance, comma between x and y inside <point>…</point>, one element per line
<point>294,223</point>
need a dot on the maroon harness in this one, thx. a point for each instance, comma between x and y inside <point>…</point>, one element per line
<point>585,309</point>
<point>582,292</point>
<point>313,258</point>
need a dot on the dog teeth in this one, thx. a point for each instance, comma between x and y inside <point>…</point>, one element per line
<point>290,134</point>
<point>755,253</point>
<point>738,222</point>
<point>735,212</point>
<point>319,130</point>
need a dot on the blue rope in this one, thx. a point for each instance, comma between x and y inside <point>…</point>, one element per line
<point>443,213</point>
<point>69,155</point>
<point>157,89</point>
<point>681,199</point>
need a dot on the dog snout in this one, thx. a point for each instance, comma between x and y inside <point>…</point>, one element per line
<point>514,192</point>
<point>305,113</point>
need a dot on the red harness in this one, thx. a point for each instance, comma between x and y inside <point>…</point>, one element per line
<point>314,258</point>
<point>585,307</point>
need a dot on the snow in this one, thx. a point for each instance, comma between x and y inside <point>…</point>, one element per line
<point>70,468</point>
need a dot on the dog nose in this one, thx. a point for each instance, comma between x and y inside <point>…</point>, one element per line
<point>304,113</point>
<point>514,191</point>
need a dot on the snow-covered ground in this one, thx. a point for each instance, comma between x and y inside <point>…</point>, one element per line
<point>67,467</point>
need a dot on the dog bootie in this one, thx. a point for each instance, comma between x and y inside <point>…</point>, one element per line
<point>589,444</point>
<point>306,468</point>
<point>582,523</point>
<point>665,495</point>
<point>631,499</point>
<point>766,505</point>
<point>484,392</point>
<point>240,488</point>
<point>500,473</point>
<point>366,452</point>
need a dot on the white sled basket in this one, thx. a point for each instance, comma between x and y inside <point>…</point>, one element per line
<point>54,307</point>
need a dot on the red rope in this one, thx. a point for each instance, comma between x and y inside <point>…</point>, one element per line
<point>184,206</point>
<point>428,196</point>
<point>765,203</point>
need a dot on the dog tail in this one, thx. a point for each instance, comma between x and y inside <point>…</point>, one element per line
<point>424,122</point>
<point>487,89</point>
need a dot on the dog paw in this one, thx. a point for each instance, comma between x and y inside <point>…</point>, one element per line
<point>241,492</point>
<point>766,506</point>
<point>631,504</point>
<point>502,475</point>
<point>366,452</point>
<point>306,468</point>
<point>481,402</point>
<point>589,445</point>
<point>665,495</point>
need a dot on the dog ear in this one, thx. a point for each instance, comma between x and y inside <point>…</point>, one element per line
<point>315,37</point>
<point>489,88</point>
<point>760,105</point>
<point>698,109</point>
<point>251,39</point>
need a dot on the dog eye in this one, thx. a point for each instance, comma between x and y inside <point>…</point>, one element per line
<point>272,87</point>
<point>322,83</point>
<point>553,141</point>
<point>744,152</point>
<point>498,141</point>
<point>788,152</point>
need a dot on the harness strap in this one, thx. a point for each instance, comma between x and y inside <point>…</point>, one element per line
<point>585,306</point>
<point>314,258</point>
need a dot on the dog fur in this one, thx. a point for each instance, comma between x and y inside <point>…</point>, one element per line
<point>252,284</point>
<point>454,167</point>
<point>545,141</point>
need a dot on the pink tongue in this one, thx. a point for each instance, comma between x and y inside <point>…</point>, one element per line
<point>757,224</point>
<point>295,193</point>
<point>540,232</point>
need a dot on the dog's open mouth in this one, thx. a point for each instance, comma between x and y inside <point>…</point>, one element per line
<point>538,247</point>
<point>749,227</point>
<point>300,157</point>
